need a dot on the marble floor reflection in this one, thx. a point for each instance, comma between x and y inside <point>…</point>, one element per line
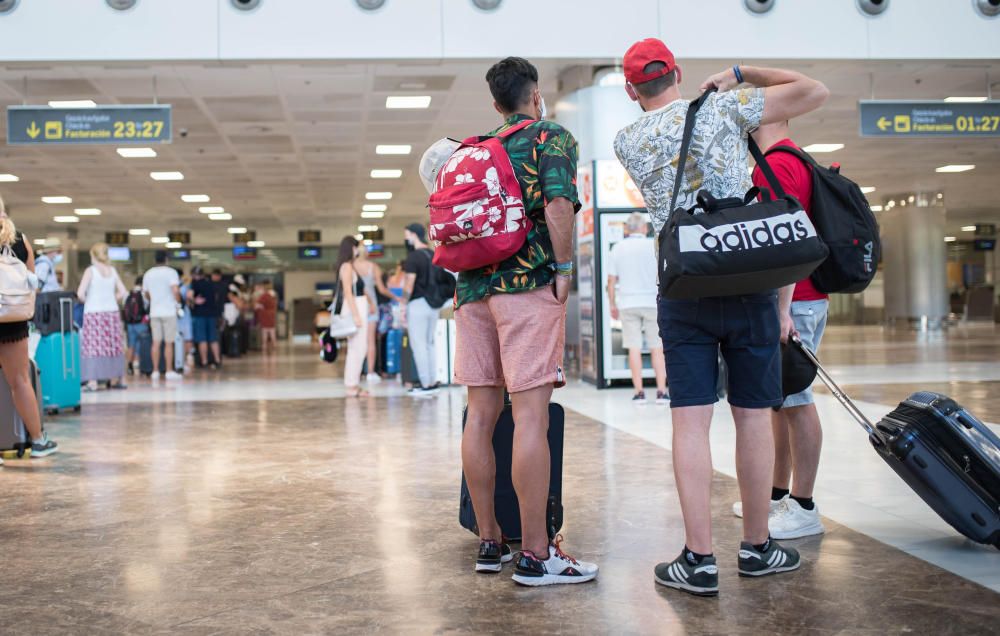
<point>266,511</point>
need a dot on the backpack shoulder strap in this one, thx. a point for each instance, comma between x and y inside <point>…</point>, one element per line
<point>521,125</point>
<point>803,156</point>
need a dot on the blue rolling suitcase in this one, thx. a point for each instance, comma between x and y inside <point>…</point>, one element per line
<point>393,350</point>
<point>942,451</point>
<point>58,359</point>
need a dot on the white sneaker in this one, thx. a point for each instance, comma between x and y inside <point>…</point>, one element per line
<point>173,375</point>
<point>559,568</point>
<point>774,508</point>
<point>373,378</point>
<point>154,376</point>
<point>794,522</point>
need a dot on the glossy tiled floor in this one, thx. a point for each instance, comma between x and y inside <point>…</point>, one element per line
<point>260,501</point>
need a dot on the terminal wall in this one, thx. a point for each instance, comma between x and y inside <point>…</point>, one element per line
<point>77,30</point>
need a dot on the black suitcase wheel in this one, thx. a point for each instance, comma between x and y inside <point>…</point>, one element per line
<point>52,411</point>
<point>77,408</point>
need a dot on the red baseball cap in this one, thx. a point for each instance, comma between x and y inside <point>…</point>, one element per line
<point>646,52</point>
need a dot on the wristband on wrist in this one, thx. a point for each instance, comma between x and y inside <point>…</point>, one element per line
<point>739,75</point>
<point>566,269</point>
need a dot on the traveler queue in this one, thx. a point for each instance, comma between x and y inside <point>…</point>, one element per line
<point>514,280</point>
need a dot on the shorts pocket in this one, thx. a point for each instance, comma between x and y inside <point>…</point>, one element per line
<point>678,320</point>
<point>762,319</point>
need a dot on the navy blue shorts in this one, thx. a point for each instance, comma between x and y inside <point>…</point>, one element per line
<point>205,328</point>
<point>744,328</point>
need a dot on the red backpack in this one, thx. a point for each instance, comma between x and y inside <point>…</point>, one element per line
<point>477,214</point>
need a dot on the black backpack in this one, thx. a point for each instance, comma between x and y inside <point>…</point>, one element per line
<point>846,223</point>
<point>135,308</point>
<point>441,283</point>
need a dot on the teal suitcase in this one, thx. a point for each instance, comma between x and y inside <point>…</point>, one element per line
<point>58,359</point>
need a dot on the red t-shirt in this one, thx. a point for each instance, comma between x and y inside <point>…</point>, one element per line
<point>796,179</point>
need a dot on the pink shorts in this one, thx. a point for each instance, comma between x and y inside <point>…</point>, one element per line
<point>514,340</point>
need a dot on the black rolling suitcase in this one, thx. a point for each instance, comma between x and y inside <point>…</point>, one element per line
<point>232,342</point>
<point>943,452</point>
<point>15,441</point>
<point>505,499</point>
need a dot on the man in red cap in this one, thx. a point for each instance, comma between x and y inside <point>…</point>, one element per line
<point>744,328</point>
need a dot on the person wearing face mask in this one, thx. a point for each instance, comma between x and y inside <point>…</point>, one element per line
<point>45,267</point>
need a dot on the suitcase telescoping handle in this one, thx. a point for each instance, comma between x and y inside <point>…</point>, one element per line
<point>838,393</point>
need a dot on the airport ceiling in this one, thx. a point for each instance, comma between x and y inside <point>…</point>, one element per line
<point>288,146</point>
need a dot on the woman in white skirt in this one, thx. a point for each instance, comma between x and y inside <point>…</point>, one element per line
<point>354,302</point>
<point>102,356</point>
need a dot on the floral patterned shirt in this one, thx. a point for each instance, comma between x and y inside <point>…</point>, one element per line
<point>717,159</point>
<point>544,157</point>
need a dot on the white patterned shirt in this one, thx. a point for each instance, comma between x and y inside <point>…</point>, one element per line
<point>717,159</point>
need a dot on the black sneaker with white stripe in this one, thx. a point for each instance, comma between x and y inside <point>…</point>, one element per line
<point>700,579</point>
<point>772,560</point>
<point>492,556</point>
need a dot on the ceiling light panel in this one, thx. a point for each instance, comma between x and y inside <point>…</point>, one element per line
<point>66,219</point>
<point>8,178</point>
<point>195,198</point>
<point>386,174</point>
<point>211,209</point>
<point>378,196</point>
<point>387,149</point>
<point>374,207</point>
<point>225,216</point>
<point>372,215</point>
<point>823,147</point>
<point>968,228</point>
<point>139,231</point>
<point>57,200</point>
<point>87,212</point>
<point>174,245</point>
<point>160,240</point>
<point>73,103</point>
<point>237,230</point>
<point>966,99</point>
<point>256,244</point>
<point>167,176</point>
<point>867,189</point>
<point>956,168</point>
<point>407,101</point>
<point>137,153</point>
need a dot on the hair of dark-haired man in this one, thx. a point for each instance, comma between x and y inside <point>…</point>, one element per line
<point>511,81</point>
<point>138,281</point>
<point>655,87</point>
<point>160,257</point>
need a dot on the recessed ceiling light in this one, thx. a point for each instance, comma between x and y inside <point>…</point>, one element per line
<point>237,230</point>
<point>372,215</point>
<point>136,153</point>
<point>386,174</point>
<point>8,178</point>
<point>139,231</point>
<point>225,216</point>
<point>823,147</point>
<point>378,196</point>
<point>256,243</point>
<point>88,211</point>
<point>950,239</point>
<point>374,207</point>
<point>211,209</point>
<point>408,101</point>
<point>174,245</point>
<point>73,103</point>
<point>876,208</point>
<point>367,228</point>
<point>956,168</point>
<point>195,198</point>
<point>968,228</point>
<point>867,189</point>
<point>386,149</point>
<point>160,240</point>
<point>965,100</point>
<point>66,219</point>
<point>56,200</point>
<point>167,176</point>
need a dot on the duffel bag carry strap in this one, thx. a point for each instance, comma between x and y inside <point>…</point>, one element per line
<point>689,121</point>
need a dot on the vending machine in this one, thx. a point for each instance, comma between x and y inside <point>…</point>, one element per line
<point>607,196</point>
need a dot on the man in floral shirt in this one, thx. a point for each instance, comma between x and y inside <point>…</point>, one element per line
<point>510,321</point>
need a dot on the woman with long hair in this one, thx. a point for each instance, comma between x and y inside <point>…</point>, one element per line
<point>353,299</point>
<point>371,274</point>
<point>101,291</point>
<point>14,360</point>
